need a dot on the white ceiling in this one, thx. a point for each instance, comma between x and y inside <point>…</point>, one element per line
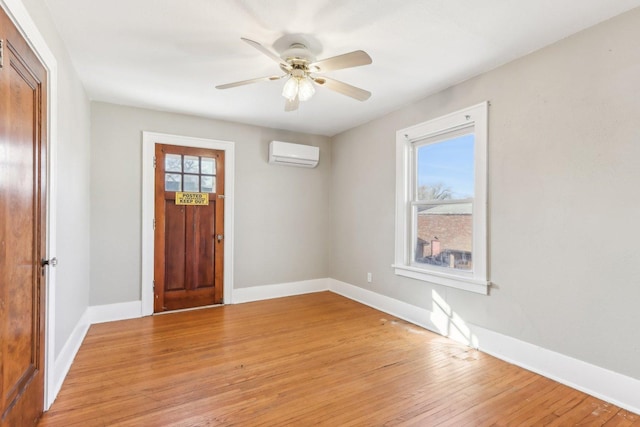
<point>168,55</point>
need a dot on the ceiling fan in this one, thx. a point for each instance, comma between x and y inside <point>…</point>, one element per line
<point>301,69</point>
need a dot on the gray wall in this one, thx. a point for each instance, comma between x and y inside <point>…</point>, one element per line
<point>281,213</point>
<point>564,204</point>
<point>72,227</point>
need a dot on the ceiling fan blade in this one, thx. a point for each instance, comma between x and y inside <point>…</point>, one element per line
<point>348,60</point>
<point>265,51</point>
<point>292,105</point>
<point>343,88</point>
<point>247,82</point>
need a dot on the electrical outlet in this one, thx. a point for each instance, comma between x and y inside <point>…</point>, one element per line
<point>369,277</point>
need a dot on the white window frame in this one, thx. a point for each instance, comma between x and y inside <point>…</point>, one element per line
<point>475,117</point>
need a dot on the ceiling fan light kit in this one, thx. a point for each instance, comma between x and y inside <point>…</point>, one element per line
<point>299,65</point>
<point>305,89</point>
<point>290,89</point>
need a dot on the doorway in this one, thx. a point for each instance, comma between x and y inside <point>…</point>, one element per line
<point>150,143</point>
<point>189,227</point>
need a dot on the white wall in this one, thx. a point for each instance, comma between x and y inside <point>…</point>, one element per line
<point>281,213</point>
<point>564,205</point>
<point>72,227</point>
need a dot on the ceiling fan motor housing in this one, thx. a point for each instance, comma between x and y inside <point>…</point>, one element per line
<point>297,53</point>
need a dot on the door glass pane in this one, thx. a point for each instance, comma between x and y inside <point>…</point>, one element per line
<point>191,183</point>
<point>173,163</point>
<point>172,182</point>
<point>191,164</point>
<point>445,169</point>
<point>444,235</point>
<point>208,166</point>
<point>208,184</point>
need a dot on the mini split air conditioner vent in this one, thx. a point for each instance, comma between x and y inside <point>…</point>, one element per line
<point>286,153</point>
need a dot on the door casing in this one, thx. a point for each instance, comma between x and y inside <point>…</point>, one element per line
<point>149,140</point>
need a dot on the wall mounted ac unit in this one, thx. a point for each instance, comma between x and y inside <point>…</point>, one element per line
<point>286,153</point>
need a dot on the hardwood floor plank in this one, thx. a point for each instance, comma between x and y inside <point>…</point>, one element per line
<point>623,418</point>
<point>312,359</point>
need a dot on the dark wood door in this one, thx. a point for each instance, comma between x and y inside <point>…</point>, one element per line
<point>189,238</point>
<point>23,172</point>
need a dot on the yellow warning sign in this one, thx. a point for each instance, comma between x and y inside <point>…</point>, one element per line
<point>198,199</point>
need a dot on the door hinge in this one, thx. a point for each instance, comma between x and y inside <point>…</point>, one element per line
<point>154,286</point>
<point>154,162</point>
<point>154,223</point>
<point>220,196</point>
<point>1,53</point>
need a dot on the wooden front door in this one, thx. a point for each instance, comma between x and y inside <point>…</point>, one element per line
<point>189,238</point>
<point>23,172</point>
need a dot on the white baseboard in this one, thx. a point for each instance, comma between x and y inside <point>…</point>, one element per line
<point>618,389</point>
<point>258,293</point>
<point>133,309</point>
<point>64,360</point>
<point>92,315</point>
<point>113,312</point>
<point>610,386</point>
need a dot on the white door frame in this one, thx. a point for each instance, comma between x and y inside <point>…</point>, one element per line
<point>149,140</point>
<point>22,20</point>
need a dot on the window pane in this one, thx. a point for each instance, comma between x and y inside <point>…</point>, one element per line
<point>445,169</point>
<point>173,163</point>
<point>191,164</point>
<point>444,235</point>
<point>208,184</point>
<point>172,182</point>
<point>208,166</point>
<point>191,183</point>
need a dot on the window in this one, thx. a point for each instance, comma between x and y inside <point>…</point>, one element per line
<point>441,202</point>
<point>189,173</point>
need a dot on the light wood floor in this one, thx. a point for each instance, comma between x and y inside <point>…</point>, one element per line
<point>317,359</point>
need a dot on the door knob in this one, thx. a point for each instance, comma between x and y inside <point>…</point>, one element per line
<point>52,262</point>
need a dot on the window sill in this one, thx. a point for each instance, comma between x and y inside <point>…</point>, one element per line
<point>453,281</point>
